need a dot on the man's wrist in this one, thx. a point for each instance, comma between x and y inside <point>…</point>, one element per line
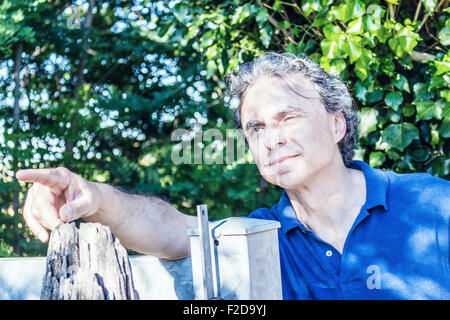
<point>105,193</point>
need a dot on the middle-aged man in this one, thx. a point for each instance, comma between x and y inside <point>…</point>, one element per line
<point>348,231</point>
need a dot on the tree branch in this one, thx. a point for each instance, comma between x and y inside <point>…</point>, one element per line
<point>18,48</point>
<point>299,11</point>
<point>421,56</point>
<point>274,23</point>
<point>391,11</point>
<point>80,73</point>
<point>419,6</point>
<point>428,15</point>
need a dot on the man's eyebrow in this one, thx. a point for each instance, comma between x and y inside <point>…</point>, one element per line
<point>290,108</point>
<point>286,110</point>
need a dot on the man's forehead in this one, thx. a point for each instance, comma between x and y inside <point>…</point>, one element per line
<point>298,85</point>
<point>288,92</point>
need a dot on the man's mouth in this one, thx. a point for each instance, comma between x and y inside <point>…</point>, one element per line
<point>282,159</point>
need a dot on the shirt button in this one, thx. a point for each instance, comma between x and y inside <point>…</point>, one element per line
<point>328,253</point>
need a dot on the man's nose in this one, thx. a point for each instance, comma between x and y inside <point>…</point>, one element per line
<point>273,138</point>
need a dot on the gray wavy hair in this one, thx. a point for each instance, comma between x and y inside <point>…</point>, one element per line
<point>333,93</point>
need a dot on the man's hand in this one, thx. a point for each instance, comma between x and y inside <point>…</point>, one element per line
<point>57,195</point>
<point>143,223</point>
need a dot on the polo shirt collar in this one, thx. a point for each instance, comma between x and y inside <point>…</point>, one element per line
<point>377,185</point>
<point>286,214</point>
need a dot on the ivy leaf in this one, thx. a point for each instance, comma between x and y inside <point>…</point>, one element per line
<point>387,66</point>
<point>404,42</point>
<point>393,155</point>
<point>246,12</point>
<point>376,11</point>
<point>284,24</point>
<point>207,39</point>
<point>426,110</point>
<point>349,10</point>
<point>445,94</point>
<point>393,116</point>
<point>440,167</point>
<point>394,99</point>
<point>337,66</point>
<point>408,40</point>
<point>164,28</point>
<point>362,64</point>
<point>444,34</point>
<point>444,129</point>
<point>408,110</point>
<point>368,117</point>
<point>277,6</point>
<point>310,6</point>
<point>419,153</point>
<point>399,136</point>
<point>332,31</point>
<point>442,67</point>
<point>372,20</point>
<point>265,35</point>
<point>376,159</point>
<point>354,49</point>
<point>421,92</point>
<point>401,83</point>
<point>429,5</point>
<point>211,68</point>
<point>261,17</point>
<point>330,48</point>
<point>375,95</point>
<point>405,163</point>
<point>360,91</point>
<point>181,11</point>
<point>371,24</point>
<point>355,26</point>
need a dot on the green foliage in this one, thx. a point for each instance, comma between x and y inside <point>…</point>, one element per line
<point>375,47</point>
<point>5,251</point>
<point>104,100</point>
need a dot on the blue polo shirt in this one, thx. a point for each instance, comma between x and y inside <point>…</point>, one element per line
<point>397,248</point>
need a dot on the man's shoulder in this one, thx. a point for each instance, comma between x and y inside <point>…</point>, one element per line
<point>417,182</point>
<point>264,213</point>
<point>414,188</point>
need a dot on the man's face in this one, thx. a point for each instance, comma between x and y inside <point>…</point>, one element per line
<point>290,134</point>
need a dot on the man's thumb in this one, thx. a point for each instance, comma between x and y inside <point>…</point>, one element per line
<point>74,209</point>
<point>66,213</point>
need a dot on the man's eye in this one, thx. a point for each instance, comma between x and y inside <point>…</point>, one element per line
<point>289,118</point>
<point>256,129</point>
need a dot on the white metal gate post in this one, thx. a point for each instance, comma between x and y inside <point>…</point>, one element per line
<point>245,261</point>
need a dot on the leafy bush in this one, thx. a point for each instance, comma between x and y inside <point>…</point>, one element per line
<point>393,55</point>
<point>103,97</point>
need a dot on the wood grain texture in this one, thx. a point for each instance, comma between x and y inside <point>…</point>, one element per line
<point>87,263</point>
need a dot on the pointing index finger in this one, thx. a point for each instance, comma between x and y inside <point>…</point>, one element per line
<point>54,178</point>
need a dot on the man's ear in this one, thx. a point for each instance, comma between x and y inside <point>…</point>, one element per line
<point>339,126</point>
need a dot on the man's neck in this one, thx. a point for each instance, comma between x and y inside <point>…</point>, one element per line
<point>330,202</point>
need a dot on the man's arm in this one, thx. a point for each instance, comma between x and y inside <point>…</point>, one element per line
<point>142,223</point>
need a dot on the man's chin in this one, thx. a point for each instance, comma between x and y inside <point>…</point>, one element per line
<point>285,179</point>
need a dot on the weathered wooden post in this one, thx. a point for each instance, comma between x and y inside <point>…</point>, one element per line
<point>88,263</point>
<point>244,259</point>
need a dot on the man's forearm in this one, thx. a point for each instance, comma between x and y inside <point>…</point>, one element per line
<point>144,223</point>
